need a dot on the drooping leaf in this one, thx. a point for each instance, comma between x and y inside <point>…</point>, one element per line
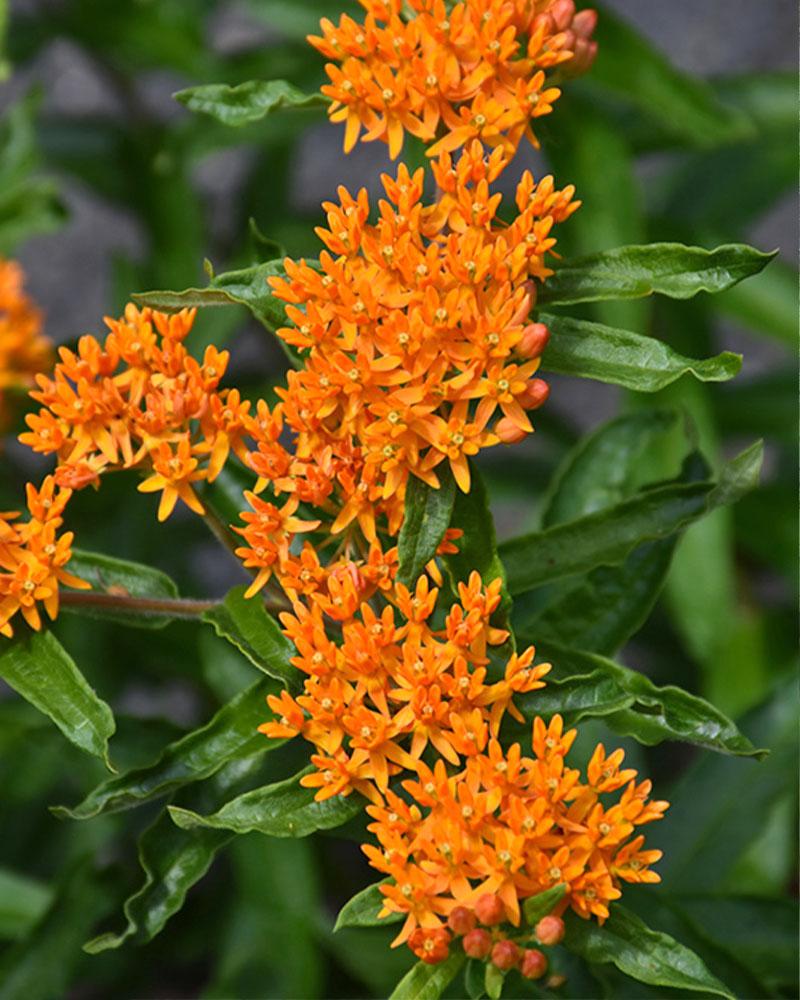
<point>620,357</point>
<point>428,982</point>
<point>631,69</point>
<point>248,102</point>
<point>232,734</point>
<point>283,809</point>
<point>40,965</point>
<point>427,517</point>
<point>121,578</point>
<point>607,537</point>
<point>38,667</point>
<point>583,685</point>
<point>23,901</point>
<point>538,906</point>
<point>249,626</point>
<point>645,955</point>
<point>362,910</point>
<point>657,268</point>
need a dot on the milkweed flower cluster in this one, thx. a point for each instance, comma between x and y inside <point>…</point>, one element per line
<point>472,70</point>
<point>24,350</point>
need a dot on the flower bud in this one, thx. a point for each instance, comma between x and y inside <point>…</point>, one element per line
<point>489,909</point>
<point>534,395</point>
<point>562,13</point>
<point>584,23</point>
<point>461,920</point>
<point>505,955</point>
<point>534,340</point>
<point>509,432</point>
<point>550,930</point>
<point>477,943</point>
<point>534,964</point>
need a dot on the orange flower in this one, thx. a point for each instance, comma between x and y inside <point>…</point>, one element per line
<point>24,350</point>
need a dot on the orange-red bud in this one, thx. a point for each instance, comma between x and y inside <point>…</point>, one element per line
<point>550,930</point>
<point>478,943</point>
<point>534,340</point>
<point>562,13</point>
<point>489,909</point>
<point>461,920</point>
<point>533,964</point>
<point>584,23</point>
<point>509,432</point>
<point>535,394</point>
<point>505,955</point>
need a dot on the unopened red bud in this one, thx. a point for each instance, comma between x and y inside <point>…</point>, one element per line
<point>534,395</point>
<point>461,920</point>
<point>570,40</point>
<point>533,964</point>
<point>509,432</point>
<point>489,909</point>
<point>478,943</point>
<point>550,930</point>
<point>533,341</point>
<point>584,23</point>
<point>505,955</point>
<point>562,13</point>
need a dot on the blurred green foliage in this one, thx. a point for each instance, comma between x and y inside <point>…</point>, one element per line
<point>709,606</point>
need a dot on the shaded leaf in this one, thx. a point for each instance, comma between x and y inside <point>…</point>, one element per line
<point>38,667</point>
<point>248,102</point>
<point>475,979</point>
<point>232,734</point>
<point>428,982</point>
<point>620,357</point>
<point>427,517</point>
<point>608,536</point>
<point>645,955</point>
<point>767,304</point>
<point>538,906</point>
<point>121,578</point>
<point>249,626</point>
<point>23,901</point>
<point>664,268</point>
<point>283,809</point>
<point>477,548</point>
<point>583,685</point>
<point>362,910</point>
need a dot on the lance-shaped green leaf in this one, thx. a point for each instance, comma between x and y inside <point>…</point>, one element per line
<point>248,102</point>
<point>657,268</point>
<point>538,906</point>
<point>643,954</point>
<point>477,548</point>
<point>607,537</point>
<point>283,809</point>
<point>249,626</point>
<point>363,909</point>
<point>427,517</point>
<point>630,68</point>
<point>121,578</point>
<point>23,900</point>
<point>583,685</point>
<point>38,667</point>
<point>620,357</point>
<point>232,734</point>
<point>247,287</point>
<point>428,982</point>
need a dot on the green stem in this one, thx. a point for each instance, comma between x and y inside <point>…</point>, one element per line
<point>177,607</point>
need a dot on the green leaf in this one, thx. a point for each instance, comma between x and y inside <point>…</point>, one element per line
<point>620,357</point>
<point>249,626</point>
<point>475,979</point>
<point>645,955</point>
<point>477,549</point>
<point>427,517</point>
<point>247,287</point>
<point>284,809</point>
<point>248,102</point>
<point>23,901</point>
<point>656,268</point>
<point>584,685</point>
<point>428,982</point>
<point>38,667</point>
<point>121,578</point>
<point>538,906</point>
<point>607,537</point>
<point>631,69</point>
<point>362,910</point>
<point>5,68</point>
<point>493,980</point>
<point>41,965</point>
<point>232,734</point>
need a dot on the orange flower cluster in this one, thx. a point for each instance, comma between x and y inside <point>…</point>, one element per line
<point>139,400</point>
<point>33,555</point>
<point>471,70</point>
<point>506,827</point>
<point>24,350</point>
